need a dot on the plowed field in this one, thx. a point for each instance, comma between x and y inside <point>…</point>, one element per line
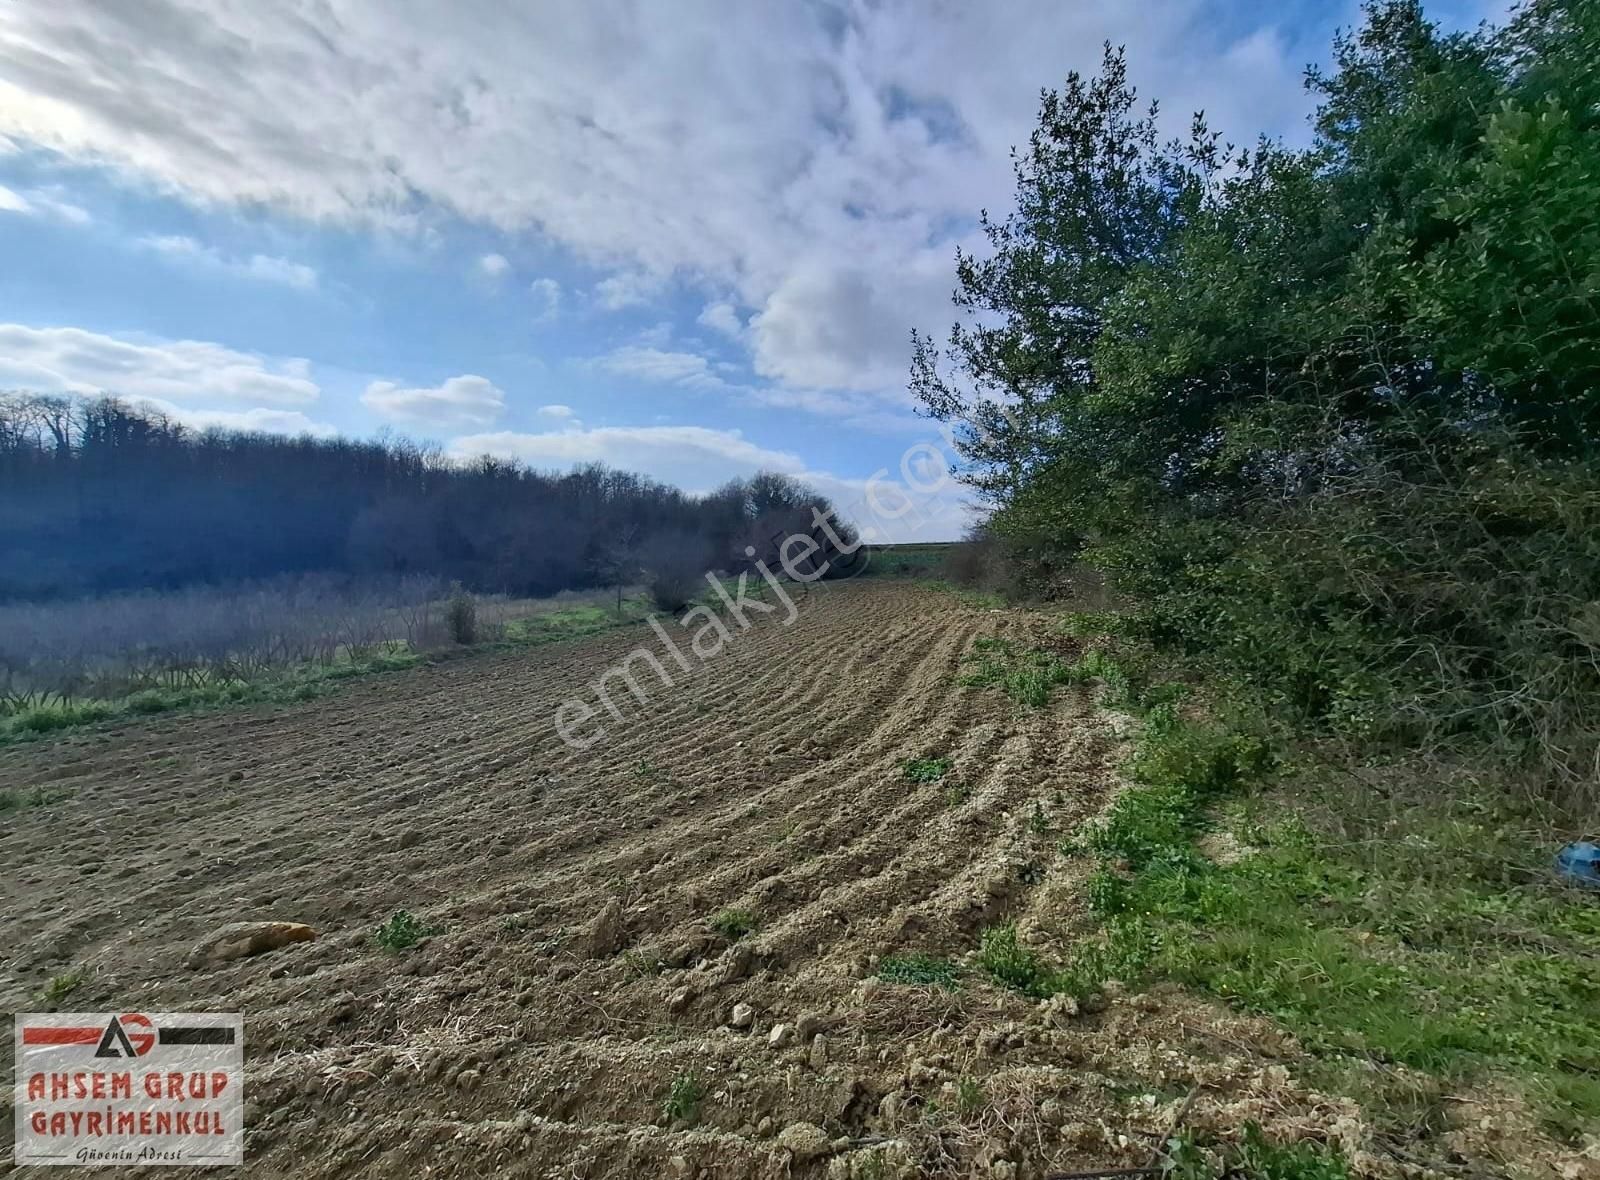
<point>576,973</point>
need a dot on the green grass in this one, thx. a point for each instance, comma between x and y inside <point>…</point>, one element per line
<point>304,682</point>
<point>402,932</point>
<point>575,621</point>
<point>1437,942</point>
<point>299,683</point>
<point>1013,965</point>
<point>920,971</point>
<point>61,986</point>
<point>19,800</point>
<point>970,1097</point>
<point>683,1098</point>
<point>1255,1157</point>
<point>1026,675</point>
<point>734,924</point>
<point>925,770</point>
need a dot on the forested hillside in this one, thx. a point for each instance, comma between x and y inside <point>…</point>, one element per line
<point>96,497</point>
<point>1328,416</point>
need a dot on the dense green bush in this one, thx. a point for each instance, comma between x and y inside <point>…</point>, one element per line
<point>1328,416</point>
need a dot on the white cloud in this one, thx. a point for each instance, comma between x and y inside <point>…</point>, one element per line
<point>693,457</point>
<point>849,327</point>
<point>187,251</point>
<point>629,289</point>
<point>698,459</point>
<point>721,317</point>
<point>457,403</point>
<point>562,413</point>
<point>546,298</point>
<point>493,265</point>
<point>819,162</point>
<point>76,361</point>
<point>258,420</point>
<point>42,202</point>
<point>662,366</point>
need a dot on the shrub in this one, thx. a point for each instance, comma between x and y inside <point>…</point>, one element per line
<point>461,615</point>
<point>1328,417</point>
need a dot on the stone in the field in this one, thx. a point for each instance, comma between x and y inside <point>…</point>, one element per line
<point>781,1035</point>
<point>604,934</point>
<point>804,1140</point>
<point>742,1016</point>
<point>239,940</point>
<point>819,1052</point>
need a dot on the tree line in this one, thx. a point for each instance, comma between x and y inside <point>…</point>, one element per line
<point>97,496</point>
<point>1327,416</point>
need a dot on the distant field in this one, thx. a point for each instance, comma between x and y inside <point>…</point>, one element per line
<point>924,559</point>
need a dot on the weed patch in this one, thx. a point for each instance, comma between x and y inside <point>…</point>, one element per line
<point>926,770</point>
<point>18,800</point>
<point>402,932</point>
<point>735,924</point>
<point>920,971</point>
<point>1254,1156</point>
<point>683,1098</point>
<point>1014,965</point>
<point>61,986</point>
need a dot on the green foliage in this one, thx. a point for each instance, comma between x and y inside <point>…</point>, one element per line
<point>1255,1157</point>
<point>18,800</point>
<point>970,1097</point>
<point>683,1098</point>
<point>61,986</point>
<point>1026,676</point>
<point>297,683</point>
<point>734,924</point>
<point>920,560</point>
<point>919,971</point>
<point>1014,965</point>
<point>1180,767</point>
<point>402,932</point>
<point>42,719</point>
<point>926,770</point>
<point>1424,945</point>
<point>1328,415</point>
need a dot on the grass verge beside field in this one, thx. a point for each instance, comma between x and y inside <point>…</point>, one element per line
<point>1412,936</point>
<point>306,681</point>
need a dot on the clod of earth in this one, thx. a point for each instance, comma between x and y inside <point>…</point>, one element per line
<point>240,940</point>
<point>804,1140</point>
<point>604,935</point>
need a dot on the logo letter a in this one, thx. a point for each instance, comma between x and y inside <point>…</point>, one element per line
<point>115,1043</point>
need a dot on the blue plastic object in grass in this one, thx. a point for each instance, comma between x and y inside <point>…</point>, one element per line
<point>1580,864</point>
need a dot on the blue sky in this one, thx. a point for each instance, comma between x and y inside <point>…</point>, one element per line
<point>682,238</point>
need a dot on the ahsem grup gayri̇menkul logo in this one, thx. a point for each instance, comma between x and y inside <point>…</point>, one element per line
<point>129,1088</point>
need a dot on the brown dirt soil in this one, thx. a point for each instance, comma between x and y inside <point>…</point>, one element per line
<point>575,973</point>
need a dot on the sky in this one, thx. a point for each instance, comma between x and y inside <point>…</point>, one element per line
<point>687,239</point>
